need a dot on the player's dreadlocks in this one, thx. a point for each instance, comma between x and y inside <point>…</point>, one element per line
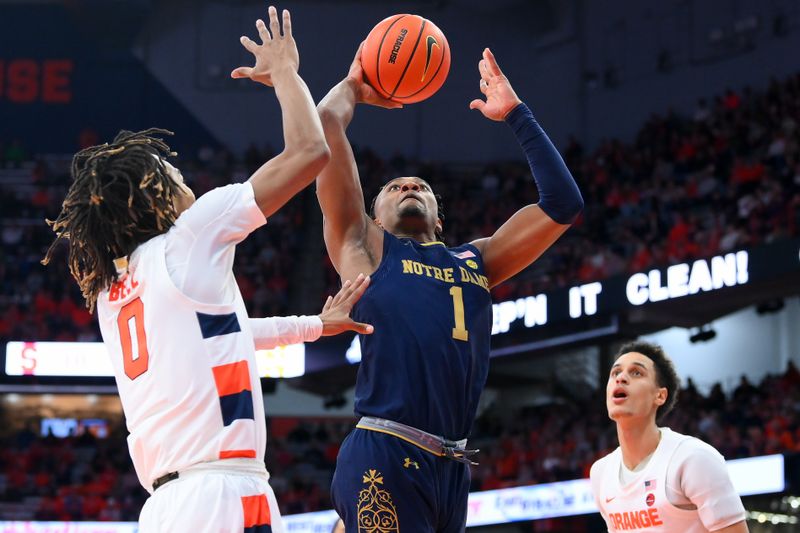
<point>121,196</point>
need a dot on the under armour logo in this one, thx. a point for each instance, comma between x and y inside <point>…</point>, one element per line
<point>408,463</point>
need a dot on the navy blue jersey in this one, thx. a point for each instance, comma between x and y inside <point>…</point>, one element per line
<point>426,363</point>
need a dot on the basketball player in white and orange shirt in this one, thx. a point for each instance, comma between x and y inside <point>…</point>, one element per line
<point>659,480</point>
<point>158,265</point>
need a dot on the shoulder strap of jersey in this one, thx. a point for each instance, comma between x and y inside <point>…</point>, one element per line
<point>666,449</point>
<point>610,474</point>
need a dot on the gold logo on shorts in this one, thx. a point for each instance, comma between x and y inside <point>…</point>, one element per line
<point>376,510</point>
<point>408,463</point>
<point>472,264</point>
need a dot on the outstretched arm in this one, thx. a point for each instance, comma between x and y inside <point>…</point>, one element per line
<point>305,152</point>
<point>353,241</point>
<point>333,320</point>
<point>532,229</point>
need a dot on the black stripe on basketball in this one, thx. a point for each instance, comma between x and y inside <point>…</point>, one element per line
<point>444,55</point>
<point>414,51</point>
<point>378,55</point>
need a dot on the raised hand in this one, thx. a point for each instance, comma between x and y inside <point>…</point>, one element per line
<point>277,52</point>
<point>335,314</point>
<point>500,97</point>
<point>365,94</point>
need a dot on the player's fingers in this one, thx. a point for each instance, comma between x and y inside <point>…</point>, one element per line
<point>359,327</point>
<point>372,97</point>
<point>356,63</point>
<point>241,72</point>
<point>249,44</point>
<point>491,63</point>
<point>483,86</point>
<point>328,303</point>
<point>346,292</point>
<point>287,23</point>
<point>389,104</point>
<point>274,27</point>
<point>386,104</point>
<point>483,69</point>
<point>477,104</point>
<point>343,292</point>
<point>358,288</point>
<point>263,32</point>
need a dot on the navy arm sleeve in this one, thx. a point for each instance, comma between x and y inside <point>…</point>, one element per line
<point>559,196</point>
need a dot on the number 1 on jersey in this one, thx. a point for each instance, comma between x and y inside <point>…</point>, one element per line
<point>460,332</point>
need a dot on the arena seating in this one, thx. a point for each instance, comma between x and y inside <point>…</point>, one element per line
<point>685,187</point>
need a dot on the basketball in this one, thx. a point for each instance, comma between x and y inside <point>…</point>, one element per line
<point>406,58</point>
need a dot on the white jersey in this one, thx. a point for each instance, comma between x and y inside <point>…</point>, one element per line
<point>186,370</point>
<point>684,488</point>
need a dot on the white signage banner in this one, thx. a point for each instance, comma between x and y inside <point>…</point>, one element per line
<point>319,522</point>
<point>753,475</point>
<point>534,502</point>
<point>83,359</point>
<point>757,475</point>
<point>90,359</point>
<point>69,527</point>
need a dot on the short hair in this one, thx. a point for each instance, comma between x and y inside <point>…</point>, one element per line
<point>121,196</point>
<point>439,209</point>
<point>666,376</point>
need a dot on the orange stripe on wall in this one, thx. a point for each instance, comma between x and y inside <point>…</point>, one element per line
<point>256,510</point>
<point>232,378</point>
<point>230,454</point>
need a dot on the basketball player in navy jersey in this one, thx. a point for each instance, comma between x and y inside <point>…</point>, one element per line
<point>406,466</point>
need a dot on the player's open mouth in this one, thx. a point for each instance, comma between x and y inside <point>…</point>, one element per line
<point>619,395</point>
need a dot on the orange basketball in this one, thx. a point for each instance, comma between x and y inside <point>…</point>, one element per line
<point>406,58</point>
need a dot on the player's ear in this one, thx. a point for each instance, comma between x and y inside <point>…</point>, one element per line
<point>661,396</point>
<point>378,222</point>
<point>439,226</point>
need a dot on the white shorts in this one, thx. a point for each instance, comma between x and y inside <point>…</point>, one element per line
<point>231,496</point>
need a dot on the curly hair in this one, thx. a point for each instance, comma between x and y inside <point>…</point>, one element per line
<point>121,196</point>
<point>666,375</point>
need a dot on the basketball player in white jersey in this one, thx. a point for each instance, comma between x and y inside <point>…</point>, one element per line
<point>158,267</point>
<point>659,480</point>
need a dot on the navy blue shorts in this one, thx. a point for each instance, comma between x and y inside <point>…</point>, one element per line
<point>383,483</point>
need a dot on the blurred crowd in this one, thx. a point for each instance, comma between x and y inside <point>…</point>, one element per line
<point>686,187</point>
<point>74,478</point>
<point>44,303</point>
<point>84,478</point>
<point>561,440</point>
